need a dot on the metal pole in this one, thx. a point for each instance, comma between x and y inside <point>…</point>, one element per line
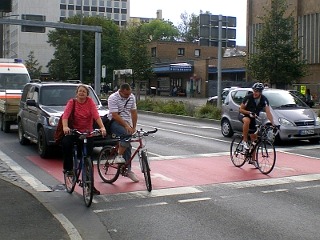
<point>81,44</point>
<point>219,62</point>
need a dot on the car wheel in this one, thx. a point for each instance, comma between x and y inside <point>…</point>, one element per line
<point>226,128</point>
<point>22,139</point>
<point>43,148</point>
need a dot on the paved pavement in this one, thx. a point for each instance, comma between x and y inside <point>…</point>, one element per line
<point>23,214</point>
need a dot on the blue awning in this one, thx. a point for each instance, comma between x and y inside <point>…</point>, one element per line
<point>227,70</point>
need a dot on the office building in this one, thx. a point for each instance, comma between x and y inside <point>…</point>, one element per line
<point>18,41</point>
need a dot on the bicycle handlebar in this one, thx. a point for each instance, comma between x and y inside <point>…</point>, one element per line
<point>83,135</point>
<point>138,133</point>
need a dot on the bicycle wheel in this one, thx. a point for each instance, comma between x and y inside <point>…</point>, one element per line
<point>87,181</point>
<point>145,169</point>
<point>70,179</point>
<point>237,156</point>
<point>108,171</point>
<point>265,156</point>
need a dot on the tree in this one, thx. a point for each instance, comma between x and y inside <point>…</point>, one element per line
<point>67,45</point>
<point>138,58</point>
<point>160,30</point>
<point>189,27</point>
<point>62,66</point>
<point>33,67</point>
<point>277,56</point>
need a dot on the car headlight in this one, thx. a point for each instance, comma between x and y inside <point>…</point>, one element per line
<point>53,121</point>
<point>285,122</point>
<point>317,123</point>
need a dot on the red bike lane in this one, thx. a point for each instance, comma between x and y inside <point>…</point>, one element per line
<point>186,172</point>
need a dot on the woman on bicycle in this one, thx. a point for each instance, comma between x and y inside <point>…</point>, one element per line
<point>84,113</point>
<point>251,107</point>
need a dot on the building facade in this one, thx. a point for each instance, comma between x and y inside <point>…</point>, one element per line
<point>18,41</point>
<point>307,16</point>
<point>192,69</point>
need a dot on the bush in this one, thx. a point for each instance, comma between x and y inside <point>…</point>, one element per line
<point>180,108</point>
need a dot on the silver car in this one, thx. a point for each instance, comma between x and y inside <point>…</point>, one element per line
<point>296,119</point>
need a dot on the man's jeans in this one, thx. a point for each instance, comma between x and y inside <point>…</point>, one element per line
<point>119,130</point>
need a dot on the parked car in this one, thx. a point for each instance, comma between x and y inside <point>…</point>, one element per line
<point>40,108</point>
<point>296,119</point>
<point>224,93</point>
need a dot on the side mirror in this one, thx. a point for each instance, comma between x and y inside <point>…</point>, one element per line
<point>31,102</point>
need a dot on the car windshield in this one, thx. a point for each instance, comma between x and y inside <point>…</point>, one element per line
<point>283,100</point>
<point>59,95</point>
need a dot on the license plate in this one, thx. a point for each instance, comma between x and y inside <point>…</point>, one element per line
<point>306,132</point>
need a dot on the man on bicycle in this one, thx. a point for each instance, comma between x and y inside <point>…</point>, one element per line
<point>250,108</point>
<point>123,110</point>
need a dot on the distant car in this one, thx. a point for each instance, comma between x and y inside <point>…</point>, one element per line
<point>214,100</point>
<point>41,106</point>
<point>296,119</point>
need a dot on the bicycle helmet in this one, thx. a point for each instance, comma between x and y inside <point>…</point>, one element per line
<point>258,86</point>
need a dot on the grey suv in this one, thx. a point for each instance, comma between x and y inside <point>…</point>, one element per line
<point>41,105</point>
<point>296,119</point>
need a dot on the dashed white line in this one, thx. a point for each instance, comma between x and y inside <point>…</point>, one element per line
<point>194,200</point>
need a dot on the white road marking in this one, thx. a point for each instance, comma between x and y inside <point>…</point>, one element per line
<point>188,125</point>
<point>162,177</point>
<point>68,226</point>
<point>193,200</point>
<point>188,134</point>
<point>30,179</point>
<point>153,204</point>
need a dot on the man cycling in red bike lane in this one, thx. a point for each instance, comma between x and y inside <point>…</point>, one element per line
<point>251,107</point>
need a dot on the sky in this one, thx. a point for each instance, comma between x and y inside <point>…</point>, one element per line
<point>172,9</point>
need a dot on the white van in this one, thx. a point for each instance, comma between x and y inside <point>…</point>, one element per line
<point>13,76</point>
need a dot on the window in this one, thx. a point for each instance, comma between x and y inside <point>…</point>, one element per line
<point>153,52</point>
<point>197,53</point>
<point>181,51</point>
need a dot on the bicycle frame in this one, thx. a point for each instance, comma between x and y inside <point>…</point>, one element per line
<point>82,166</point>
<point>109,171</point>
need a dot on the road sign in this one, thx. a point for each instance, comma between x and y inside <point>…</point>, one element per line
<point>103,71</point>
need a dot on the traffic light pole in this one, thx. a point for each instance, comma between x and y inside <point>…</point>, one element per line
<point>219,62</point>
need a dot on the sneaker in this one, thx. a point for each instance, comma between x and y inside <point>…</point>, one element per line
<point>132,176</point>
<point>96,191</point>
<point>245,145</point>
<point>254,163</point>
<point>117,159</point>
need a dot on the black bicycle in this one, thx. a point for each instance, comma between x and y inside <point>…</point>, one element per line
<point>261,152</point>
<point>81,165</point>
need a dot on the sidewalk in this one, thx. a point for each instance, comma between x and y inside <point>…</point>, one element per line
<point>23,216</point>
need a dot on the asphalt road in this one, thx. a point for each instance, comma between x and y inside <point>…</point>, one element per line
<point>282,205</point>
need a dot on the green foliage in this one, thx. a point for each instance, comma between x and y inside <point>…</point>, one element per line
<point>277,56</point>
<point>68,40</point>
<point>33,67</point>
<point>158,30</point>
<point>208,111</point>
<point>179,108</point>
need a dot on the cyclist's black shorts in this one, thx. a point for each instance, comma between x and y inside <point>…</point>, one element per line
<point>252,125</point>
